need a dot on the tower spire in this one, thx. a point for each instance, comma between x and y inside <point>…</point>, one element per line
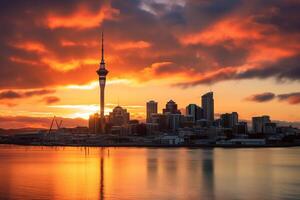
<point>102,50</point>
<point>102,72</point>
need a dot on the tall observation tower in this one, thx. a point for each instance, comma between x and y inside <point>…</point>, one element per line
<point>102,72</point>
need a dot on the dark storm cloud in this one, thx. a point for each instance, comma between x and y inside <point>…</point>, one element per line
<point>264,97</point>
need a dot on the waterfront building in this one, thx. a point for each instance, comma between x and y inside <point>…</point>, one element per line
<point>187,121</point>
<point>171,107</point>
<point>241,128</point>
<point>259,122</point>
<point>152,128</point>
<point>174,121</point>
<point>195,111</point>
<point>161,120</point>
<point>119,116</point>
<point>102,73</point>
<point>208,106</point>
<point>133,127</point>
<point>270,128</point>
<point>151,108</point>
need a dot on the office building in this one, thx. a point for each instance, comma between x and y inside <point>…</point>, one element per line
<point>258,123</point>
<point>151,108</point>
<point>195,111</point>
<point>208,106</point>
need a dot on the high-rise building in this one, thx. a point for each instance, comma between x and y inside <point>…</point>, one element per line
<point>208,106</point>
<point>258,123</point>
<point>171,107</point>
<point>234,119</point>
<point>151,109</point>
<point>102,72</point>
<point>195,111</point>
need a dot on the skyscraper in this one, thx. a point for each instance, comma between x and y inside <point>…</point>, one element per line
<point>151,109</point>
<point>195,111</point>
<point>102,72</point>
<point>208,106</point>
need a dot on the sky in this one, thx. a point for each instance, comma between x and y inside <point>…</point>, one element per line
<point>246,52</point>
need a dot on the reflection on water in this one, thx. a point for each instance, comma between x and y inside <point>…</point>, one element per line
<point>148,173</point>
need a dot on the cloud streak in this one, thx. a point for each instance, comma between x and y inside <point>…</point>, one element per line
<point>291,98</point>
<point>263,97</point>
<point>11,94</point>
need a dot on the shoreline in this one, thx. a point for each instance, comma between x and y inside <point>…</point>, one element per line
<point>200,146</point>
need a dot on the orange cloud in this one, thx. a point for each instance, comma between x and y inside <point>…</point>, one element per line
<point>31,46</point>
<point>82,18</point>
<point>68,65</point>
<point>233,28</point>
<point>23,61</point>
<point>69,43</point>
<point>132,45</point>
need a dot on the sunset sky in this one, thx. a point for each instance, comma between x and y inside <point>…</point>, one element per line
<point>246,52</point>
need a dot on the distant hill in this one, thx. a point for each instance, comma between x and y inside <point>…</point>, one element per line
<point>20,130</point>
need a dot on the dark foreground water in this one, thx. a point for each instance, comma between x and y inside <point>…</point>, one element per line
<point>148,173</point>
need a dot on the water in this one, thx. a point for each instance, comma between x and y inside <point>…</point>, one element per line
<point>148,173</point>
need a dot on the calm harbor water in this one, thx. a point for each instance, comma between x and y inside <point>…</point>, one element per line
<point>148,173</point>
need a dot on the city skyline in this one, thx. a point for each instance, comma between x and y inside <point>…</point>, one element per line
<point>250,70</point>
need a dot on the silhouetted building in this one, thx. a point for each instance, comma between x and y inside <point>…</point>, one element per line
<point>259,122</point>
<point>187,121</point>
<point>102,72</point>
<point>119,116</point>
<point>94,123</point>
<point>270,128</point>
<point>208,106</point>
<point>171,107</point>
<point>195,111</point>
<point>229,120</point>
<point>151,109</point>
<point>174,121</point>
<point>241,128</point>
<point>133,127</point>
<point>160,120</point>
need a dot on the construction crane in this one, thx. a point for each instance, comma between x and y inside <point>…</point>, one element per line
<point>58,125</point>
